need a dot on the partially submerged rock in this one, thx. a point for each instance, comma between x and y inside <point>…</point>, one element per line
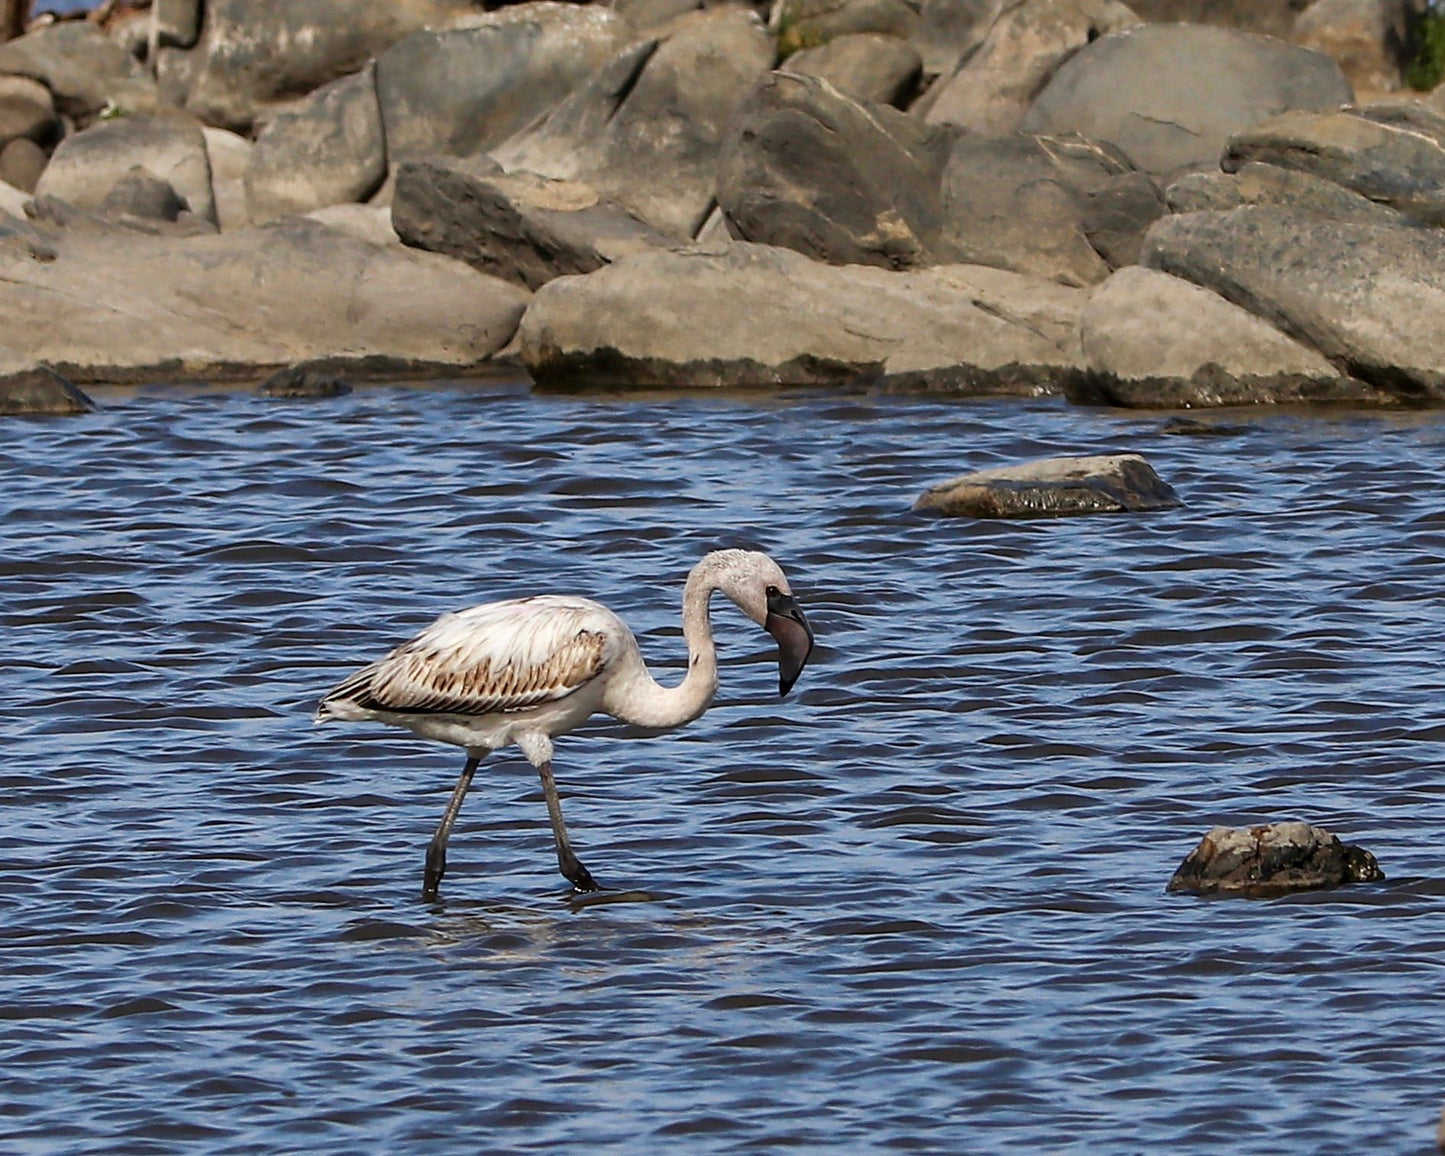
<point>38,390</point>
<point>1272,860</point>
<point>304,381</point>
<point>1050,487</point>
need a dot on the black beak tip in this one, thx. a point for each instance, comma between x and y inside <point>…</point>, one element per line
<point>785,684</point>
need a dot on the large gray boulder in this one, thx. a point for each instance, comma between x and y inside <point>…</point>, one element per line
<point>327,150</point>
<point>868,66</point>
<point>523,228</point>
<point>1364,295</point>
<point>230,157</point>
<point>168,143</point>
<point>250,56</point>
<point>1256,183</point>
<point>949,30</point>
<point>83,68</point>
<point>461,91</point>
<point>112,305</point>
<point>1260,862</point>
<point>1152,340</point>
<point>647,130</point>
<point>1170,95</point>
<point>1053,487</point>
<point>1025,45</point>
<point>27,110</point>
<point>1395,158</point>
<point>758,315</point>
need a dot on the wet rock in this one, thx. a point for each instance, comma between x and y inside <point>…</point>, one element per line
<point>1391,158</point>
<point>37,390</point>
<point>1169,96</point>
<point>759,315</point>
<point>461,91</point>
<point>84,69</point>
<point>806,24</point>
<point>1193,427</point>
<point>27,110</point>
<point>250,56</point>
<point>1369,38</point>
<point>523,228</point>
<point>1053,487</point>
<point>867,66</point>
<point>1024,46</point>
<point>1152,340</point>
<point>303,381</point>
<point>647,130</point>
<point>169,145</point>
<point>327,150</point>
<point>22,161</point>
<point>140,193</point>
<point>112,305</point>
<point>1321,282</point>
<point>1255,183</point>
<point>1272,860</point>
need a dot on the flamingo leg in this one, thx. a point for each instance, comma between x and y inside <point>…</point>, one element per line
<point>436,852</point>
<point>568,863</point>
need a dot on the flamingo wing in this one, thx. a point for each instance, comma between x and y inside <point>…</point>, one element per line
<point>499,657</point>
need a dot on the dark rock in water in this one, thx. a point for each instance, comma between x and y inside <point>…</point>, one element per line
<point>1272,860</point>
<point>1049,487</point>
<point>140,193</point>
<point>303,381</point>
<point>40,390</point>
<point>1192,427</point>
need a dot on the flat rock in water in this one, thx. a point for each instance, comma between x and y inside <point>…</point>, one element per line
<point>308,381</point>
<point>40,390</point>
<point>1272,860</point>
<point>1051,487</point>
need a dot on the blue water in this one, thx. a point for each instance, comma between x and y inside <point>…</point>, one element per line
<point>916,906</point>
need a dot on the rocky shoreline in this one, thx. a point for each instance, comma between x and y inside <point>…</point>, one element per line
<point>1162,205</point>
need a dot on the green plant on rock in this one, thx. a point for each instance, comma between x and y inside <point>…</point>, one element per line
<point>1426,67</point>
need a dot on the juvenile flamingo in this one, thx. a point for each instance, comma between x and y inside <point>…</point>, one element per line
<point>523,671</point>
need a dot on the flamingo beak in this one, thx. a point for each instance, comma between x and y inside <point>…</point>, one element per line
<point>786,623</point>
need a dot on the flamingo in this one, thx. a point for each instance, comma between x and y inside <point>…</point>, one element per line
<point>526,670</point>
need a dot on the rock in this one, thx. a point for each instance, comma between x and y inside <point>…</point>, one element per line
<point>1169,96</point>
<point>169,144</point>
<point>462,91</point>
<point>1009,203</point>
<point>22,162</point>
<point>995,85</point>
<point>140,193</point>
<point>12,199</point>
<point>1273,860</point>
<point>327,150</point>
<point>1364,295</point>
<point>27,110</point>
<point>370,223</point>
<point>523,228</point>
<point>867,67</point>
<point>118,306</point>
<point>1053,487</point>
<point>84,69</point>
<point>1116,211</point>
<point>177,23</point>
<point>758,315</point>
<point>1402,166</point>
<point>647,130</point>
<point>1267,17</point>
<point>807,24</point>
<point>303,381</point>
<point>230,156</point>
<point>1152,340</point>
<point>948,30</point>
<point>847,183</point>
<point>250,56</point>
<point>651,18</point>
<point>37,390</point>
<point>1255,183</point>
<point>1368,38</point>
<point>810,169</point>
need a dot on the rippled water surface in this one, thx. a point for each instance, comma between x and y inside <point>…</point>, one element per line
<point>917,905</point>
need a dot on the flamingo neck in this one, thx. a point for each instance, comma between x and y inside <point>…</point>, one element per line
<point>650,704</point>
